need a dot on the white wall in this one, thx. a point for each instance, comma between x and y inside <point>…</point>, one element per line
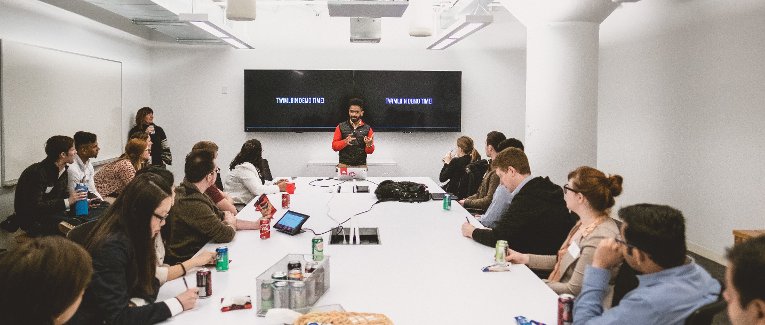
<point>40,24</point>
<point>186,95</point>
<point>681,113</point>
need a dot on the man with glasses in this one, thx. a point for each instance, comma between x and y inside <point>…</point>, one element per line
<point>194,220</point>
<point>671,285</point>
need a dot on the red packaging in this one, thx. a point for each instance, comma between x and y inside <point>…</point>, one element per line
<point>263,204</point>
<point>265,228</point>
<point>204,283</point>
<point>565,309</point>
<point>285,201</point>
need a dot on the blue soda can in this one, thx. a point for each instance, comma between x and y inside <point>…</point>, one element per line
<point>221,262</point>
<point>447,202</point>
<point>81,206</point>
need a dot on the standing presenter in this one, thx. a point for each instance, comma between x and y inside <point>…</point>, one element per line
<point>353,138</point>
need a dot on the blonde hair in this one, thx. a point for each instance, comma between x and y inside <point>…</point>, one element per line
<point>468,147</point>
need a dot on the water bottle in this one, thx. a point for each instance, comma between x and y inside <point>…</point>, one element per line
<point>81,206</point>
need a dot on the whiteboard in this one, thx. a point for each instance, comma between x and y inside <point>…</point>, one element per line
<point>46,92</point>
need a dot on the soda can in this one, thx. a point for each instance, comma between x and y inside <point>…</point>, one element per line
<point>295,274</point>
<point>266,295</point>
<point>447,201</point>
<point>317,248</point>
<point>285,200</point>
<point>221,263</point>
<point>281,295</point>
<point>81,206</point>
<point>500,252</point>
<point>297,295</point>
<point>565,309</point>
<point>204,283</point>
<point>265,228</point>
<point>279,275</point>
<point>310,266</point>
<point>294,264</point>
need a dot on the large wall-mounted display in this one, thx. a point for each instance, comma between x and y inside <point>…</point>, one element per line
<point>316,100</point>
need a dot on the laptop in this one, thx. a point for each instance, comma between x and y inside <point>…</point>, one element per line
<point>346,173</point>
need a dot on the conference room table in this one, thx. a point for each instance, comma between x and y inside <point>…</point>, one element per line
<point>422,272</point>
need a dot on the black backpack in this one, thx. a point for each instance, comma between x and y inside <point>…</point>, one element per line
<point>402,191</point>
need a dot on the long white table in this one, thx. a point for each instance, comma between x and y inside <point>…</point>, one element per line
<point>423,272</point>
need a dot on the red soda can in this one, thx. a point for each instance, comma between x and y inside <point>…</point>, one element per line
<point>566,309</point>
<point>204,283</point>
<point>285,201</point>
<point>265,228</point>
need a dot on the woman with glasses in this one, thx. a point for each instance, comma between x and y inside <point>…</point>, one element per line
<point>112,178</point>
<point>589,194</point>
<point>245,180</point>
<point>167,272</point>
<point>124,286</point>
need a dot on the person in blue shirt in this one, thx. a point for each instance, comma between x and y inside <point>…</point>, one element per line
<point>671,285</point>
<point>745,282</point>
<point>501,198</point>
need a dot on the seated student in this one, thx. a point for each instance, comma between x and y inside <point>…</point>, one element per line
<point>455,163</point>
<point>220,198</point>
<point>195,220</point>
<point>81,171</point>
<point>171,272</point>
<point>590,195</point>
<point>671,284</point>
<point>42,200</point>
<point>745,282</point>
<point>114,176</point>
<point>145,137</point>
<point>245,181</point>
<point>537,220</point>
<point>481,199</point>
<point>501,199</point>
<point>42,281</point>
<point>124,288</point>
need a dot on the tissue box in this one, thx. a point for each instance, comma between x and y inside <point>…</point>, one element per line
<point>291,293</point>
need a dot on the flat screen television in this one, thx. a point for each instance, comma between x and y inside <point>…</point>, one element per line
<point>316,100</point>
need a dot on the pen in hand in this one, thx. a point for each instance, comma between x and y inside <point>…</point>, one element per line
<point>185,283</point>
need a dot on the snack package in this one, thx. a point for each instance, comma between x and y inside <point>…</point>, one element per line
<point>234,303</point>
<point>263,204</point>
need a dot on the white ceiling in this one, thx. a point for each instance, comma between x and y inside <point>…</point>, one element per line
<point>300,24</point>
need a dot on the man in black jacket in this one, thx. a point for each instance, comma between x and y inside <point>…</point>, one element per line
<point>353,138</point>
<point>42,200</point>
<point>537,220</point>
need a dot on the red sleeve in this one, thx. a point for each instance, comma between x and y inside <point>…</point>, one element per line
<point>214,193</point>
<point>371,148</point>
<point>337,142</point>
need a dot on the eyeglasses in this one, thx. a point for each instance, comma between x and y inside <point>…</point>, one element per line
<point>216,171</point>
<point>626,244</point>
<point>566,189</point>
<point>161,218</point>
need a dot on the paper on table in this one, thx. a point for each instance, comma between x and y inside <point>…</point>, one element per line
<point>474,222</point>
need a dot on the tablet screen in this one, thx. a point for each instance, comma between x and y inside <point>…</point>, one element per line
<point>291,221</point>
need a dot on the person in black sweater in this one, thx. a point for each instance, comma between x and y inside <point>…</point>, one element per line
<point>160,148</point>
<point>42,199</point>
<point>537,218</point>
<point>455,163</point>
<point>124,287</point>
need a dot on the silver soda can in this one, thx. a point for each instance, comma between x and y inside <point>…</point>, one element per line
<point>281,295</point>
<point>297,295</point>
